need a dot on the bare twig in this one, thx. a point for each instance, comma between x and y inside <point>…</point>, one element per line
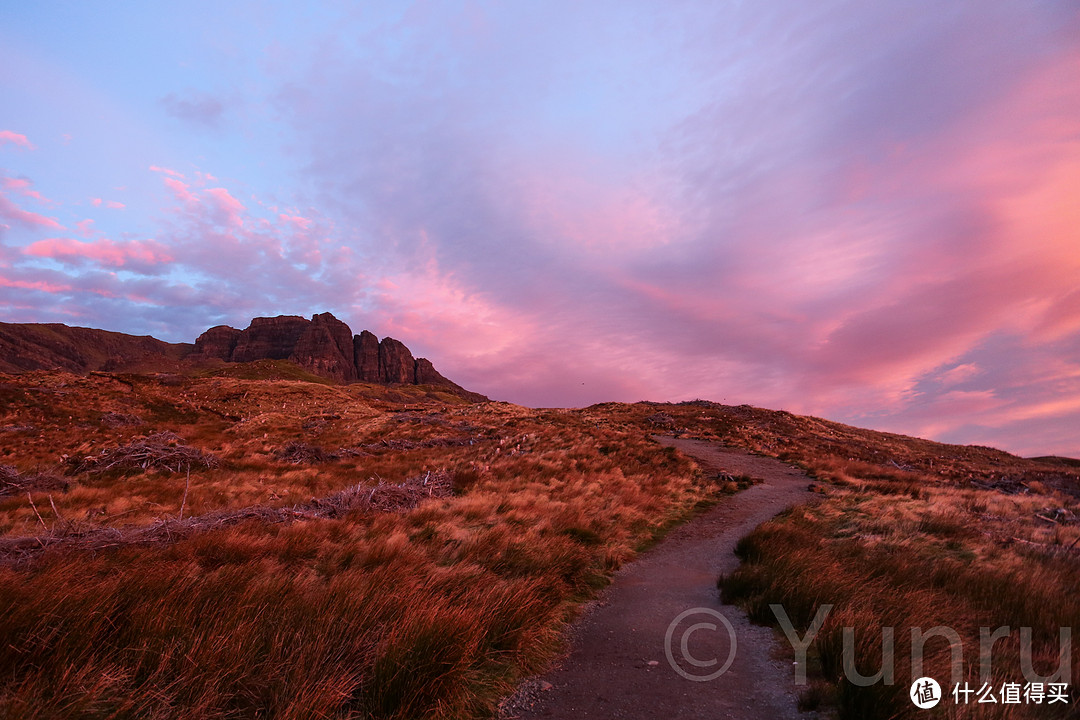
<point>187,486</point>
<point>36,512</point>
<point>55,511</point>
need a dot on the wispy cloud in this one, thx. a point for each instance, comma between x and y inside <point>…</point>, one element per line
<point>8,137</point>
<point>11,211</point>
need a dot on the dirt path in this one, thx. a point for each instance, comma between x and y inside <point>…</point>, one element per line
<point>618,667</point>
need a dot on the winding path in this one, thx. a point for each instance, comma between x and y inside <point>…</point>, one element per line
<point>618,669</point>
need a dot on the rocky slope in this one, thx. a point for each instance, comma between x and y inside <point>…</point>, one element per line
<point>322,345</point>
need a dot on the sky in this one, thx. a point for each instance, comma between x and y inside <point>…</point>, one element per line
<point>868,212</point>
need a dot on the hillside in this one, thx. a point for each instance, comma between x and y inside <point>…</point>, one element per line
<point>174,544</point>
<point>53,346</point>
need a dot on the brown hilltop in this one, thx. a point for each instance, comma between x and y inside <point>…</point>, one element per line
<point>54,346</point>
<point>323,345</point>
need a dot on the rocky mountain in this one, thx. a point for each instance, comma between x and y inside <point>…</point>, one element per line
<point>322,345</point>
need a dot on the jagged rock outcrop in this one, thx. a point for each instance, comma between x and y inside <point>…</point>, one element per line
<point>426,374</point>
<point>269,338</point>
<point>326,348</point>
<point>217,342</point>
<point>366,352</point>
<point>396,363</point>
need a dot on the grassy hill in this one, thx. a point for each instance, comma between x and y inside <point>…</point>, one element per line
<point>250,541</point>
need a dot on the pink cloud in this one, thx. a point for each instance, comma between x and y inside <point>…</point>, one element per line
<point>229,210</point>
<point>86,227</point>
<point>14,138</point>
<point>23,187</point>
<point>10,211</point>
<point>103,251</point>
<point>301,223</point>
<point>41,285</point>
<point>180,189</point>
<point>960,374</point>
<point>166,171</point>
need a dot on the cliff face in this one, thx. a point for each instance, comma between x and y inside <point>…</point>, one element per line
<point>325,346</point>
<point>396,363</point>
<point>366,349</point>
<point>217,342</point>
<point>269,338</point>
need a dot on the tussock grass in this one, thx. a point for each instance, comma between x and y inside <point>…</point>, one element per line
<point>370,605</point>
<point>408,609</point>
<point>903,562</point>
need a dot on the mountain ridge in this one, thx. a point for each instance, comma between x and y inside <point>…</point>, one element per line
<point>323,345</point>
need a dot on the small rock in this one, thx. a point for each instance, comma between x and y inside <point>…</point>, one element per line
<point>545,686</point>
<point>654,663</point>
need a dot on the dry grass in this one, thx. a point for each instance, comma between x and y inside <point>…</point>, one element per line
<point>895,548</point>
<point>911,533</point>
<point>383,497</point>
<point>422,566</point>
<point>363,551</point>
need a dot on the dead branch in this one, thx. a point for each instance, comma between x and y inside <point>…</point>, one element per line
<point>36,512</point>
<point>53,505</point>
<point>187,486</point>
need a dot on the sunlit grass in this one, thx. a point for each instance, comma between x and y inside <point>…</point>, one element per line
<point>434,612</point>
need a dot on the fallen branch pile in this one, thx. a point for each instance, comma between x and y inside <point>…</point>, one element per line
<point>299,452</point>
<point>384,497</point>
<point>161,451</point>
<point>302,452</point>
<point>14,482</point>
<point>396,444</point>
<point>116,419</point>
